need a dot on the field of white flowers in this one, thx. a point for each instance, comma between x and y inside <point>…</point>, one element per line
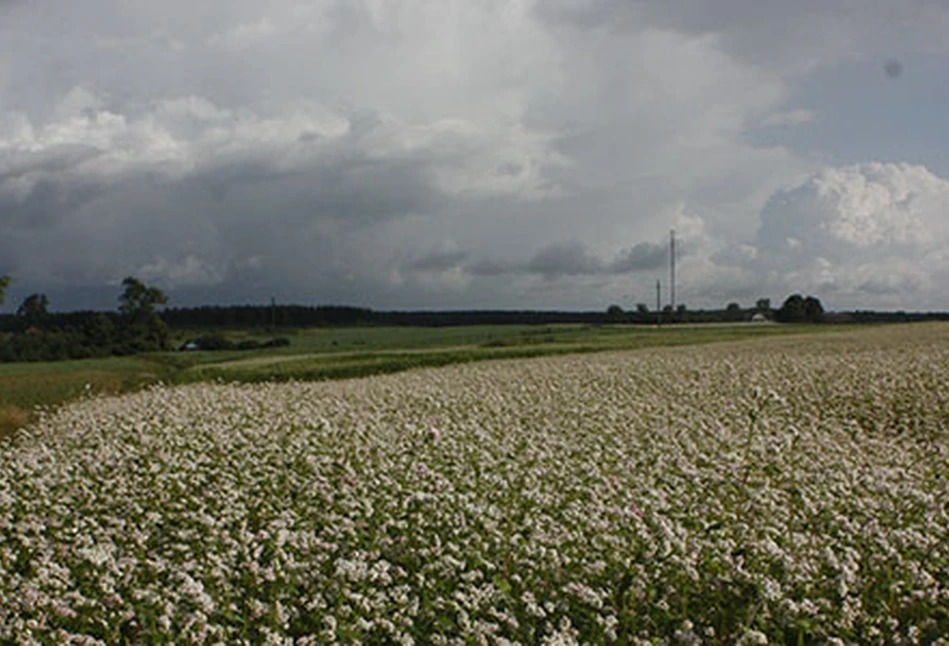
<point>781,491</point>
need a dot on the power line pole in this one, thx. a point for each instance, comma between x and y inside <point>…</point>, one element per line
<point>672,268</point>
<point>658,302</point>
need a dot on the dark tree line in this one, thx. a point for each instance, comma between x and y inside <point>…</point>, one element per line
<point>265,316</point>
<point>35,334</point>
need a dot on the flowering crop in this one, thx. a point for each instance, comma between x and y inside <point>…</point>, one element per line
<point>782,491</point>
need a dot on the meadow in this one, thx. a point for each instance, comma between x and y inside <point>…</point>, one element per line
<point>787,490</point>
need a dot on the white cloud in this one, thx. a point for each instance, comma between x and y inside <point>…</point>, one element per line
<point>860,235</point>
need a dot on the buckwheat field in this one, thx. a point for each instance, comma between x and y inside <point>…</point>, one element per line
<point>781,491</point>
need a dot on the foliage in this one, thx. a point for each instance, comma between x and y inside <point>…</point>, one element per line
<point>34,310</point>
<point>734,313</point>
<point>798,309</point>
<point>790,492</point>
<point>813,310</point>
<point>4,283</point>
<point>138,301</point>
<point>39,335</point>
<point>144,329</point>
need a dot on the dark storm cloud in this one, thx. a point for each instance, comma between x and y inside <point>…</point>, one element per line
<point>437,261</point>
<point>574,258</point>
<point>564,259</point>
<point>645,255</point>
<point>490,268</point>
<point>47,202</point>
<point>355,190</point>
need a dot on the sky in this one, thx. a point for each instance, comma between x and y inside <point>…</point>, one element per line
<point>445,154</point>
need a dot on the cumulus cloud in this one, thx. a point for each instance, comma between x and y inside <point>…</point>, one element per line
<point>874,232</point>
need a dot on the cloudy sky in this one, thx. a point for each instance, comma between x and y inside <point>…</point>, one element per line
<point>476,153</point>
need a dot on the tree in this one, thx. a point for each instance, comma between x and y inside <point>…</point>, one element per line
<point>4,283</point>
<point>797,309</point>
<point>813,310</point>
<point>100,331</point>
<point>733,312</point>
<point>144,329</point>
<point>34,310</point>
<point>642,308</point>
<point>614,313</point>
<point>138,301</point>
<point>763,305</point>
<point>792,311</point>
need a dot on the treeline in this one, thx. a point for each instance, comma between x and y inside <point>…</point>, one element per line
<point>35,334</point>
<point>265,316</point>
<point>289,316</point>
<point>795,309</point>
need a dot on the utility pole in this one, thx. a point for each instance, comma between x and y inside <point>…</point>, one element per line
<point>672,269</point>
<point>658,302</point>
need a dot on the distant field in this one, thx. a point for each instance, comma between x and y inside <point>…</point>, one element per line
<point>336,353</point>
<point>318,354</point>
<point>771,491</point>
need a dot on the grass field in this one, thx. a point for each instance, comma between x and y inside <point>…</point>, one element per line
<point>335,353</point>
<point>27,388</point>
<point>784,490</point>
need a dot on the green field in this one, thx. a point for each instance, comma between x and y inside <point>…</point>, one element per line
<point>338,353</point>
